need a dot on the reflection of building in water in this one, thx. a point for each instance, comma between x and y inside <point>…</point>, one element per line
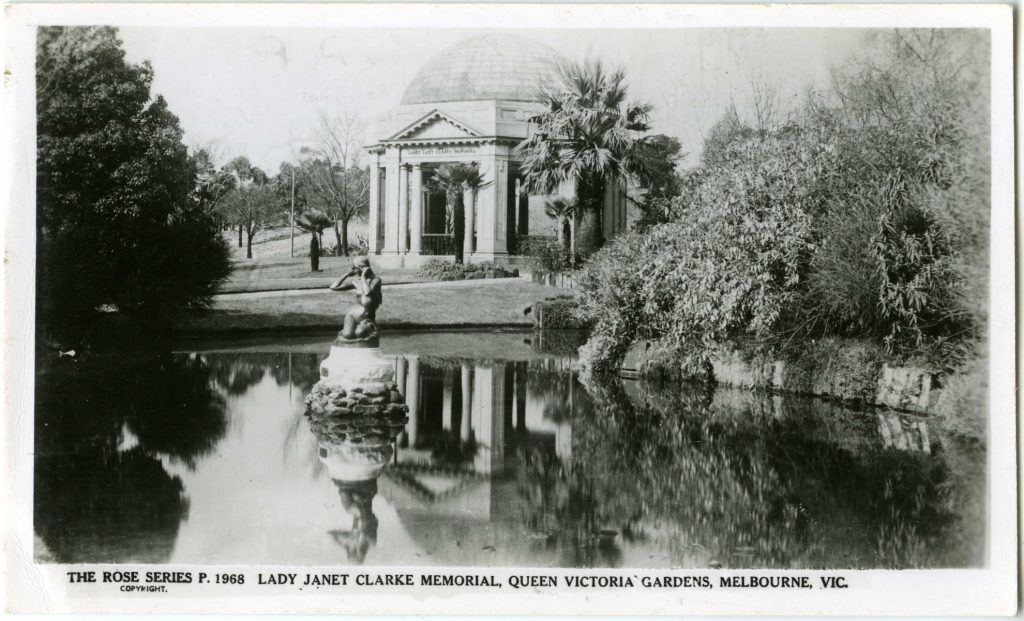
<point>458,474</point>
<point>466,423</point>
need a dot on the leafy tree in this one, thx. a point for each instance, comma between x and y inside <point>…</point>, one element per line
<point>723,136</point>
<point>314,223</point>
<point>662,153</point>
<point>663,183</point>
<point>589,136</point>
<point>252,206</point>
<point>212,184</point>
<point>454,180</point>
<point>245,172</point>
<point>238,173</point>
<point>117,223</point>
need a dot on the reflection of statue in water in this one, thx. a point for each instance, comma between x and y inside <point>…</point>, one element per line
<point>357,499</point>
<point>361,320</point>
<point>356,418</point>
<point>355,449</point>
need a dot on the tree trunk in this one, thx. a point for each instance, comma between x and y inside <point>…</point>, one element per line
<point>239,235</point>
<point>565,240</point>
<point>248,245</point>
<point>597,208</point>
<point>591,195</point>
<point>458,225</point>
<point>344,237</point>
<point>314,253</point>
<point>339,248</point>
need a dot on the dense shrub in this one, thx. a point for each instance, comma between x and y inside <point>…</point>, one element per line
<point>904,241</point>
<point>439,269</point>
<point>732,266</point>
<point>356,248</point>
<point>558,313</point>
<point>545,253</point>
<point>844,220</point>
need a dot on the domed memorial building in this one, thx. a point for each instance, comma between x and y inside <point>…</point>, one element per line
<point>470,103</point>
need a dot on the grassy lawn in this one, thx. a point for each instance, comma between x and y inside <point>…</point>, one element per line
<point>275,274</point>
<point>435,305</point>
<point>275,242</point>
<point>273,269</point>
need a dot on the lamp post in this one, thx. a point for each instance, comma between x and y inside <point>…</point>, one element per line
<point>291,216</point>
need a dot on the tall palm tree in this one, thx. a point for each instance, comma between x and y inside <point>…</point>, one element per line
<point>588,135</point>
<point>562,210</point>
<point>314,223</point>
<point>453,180</point>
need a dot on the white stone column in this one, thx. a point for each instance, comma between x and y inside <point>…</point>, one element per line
<point>412,399</point>
<point>492,237</point>
<point>374,223</point>
<point>563,441</point>
<point>489,423</point>
<point>467,402</point>
<point>517,205</point>
<point>416,215</point>
<point>391,205</point>
<point>447,400</point>
<point>519,399</point>
<point>403,208</point>
<point>469,206</point>
<point>482,416</point>
<point>498,388</point>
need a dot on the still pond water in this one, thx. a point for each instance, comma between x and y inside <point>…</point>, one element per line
<point>205,456</point>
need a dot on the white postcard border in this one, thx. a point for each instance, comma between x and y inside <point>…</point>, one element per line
<point>41,588</point>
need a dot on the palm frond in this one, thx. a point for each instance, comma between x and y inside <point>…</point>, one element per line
<point>587,131</point>
<point>560,207</point>
<point>313,221</point>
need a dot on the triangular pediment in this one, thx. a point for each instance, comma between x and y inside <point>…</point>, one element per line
<point>434,125</point>
<point>420,484</point>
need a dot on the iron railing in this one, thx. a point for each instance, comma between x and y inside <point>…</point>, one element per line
<point>434,244</point>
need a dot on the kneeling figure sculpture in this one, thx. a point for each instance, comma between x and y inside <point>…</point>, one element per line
<point>360,324</point>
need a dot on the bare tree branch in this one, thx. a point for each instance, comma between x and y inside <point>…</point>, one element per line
<point>334,173</point>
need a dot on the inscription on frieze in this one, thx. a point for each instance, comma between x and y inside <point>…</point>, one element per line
<point>442,151</point>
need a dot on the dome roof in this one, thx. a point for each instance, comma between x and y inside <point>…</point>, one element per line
<point>496,66</point>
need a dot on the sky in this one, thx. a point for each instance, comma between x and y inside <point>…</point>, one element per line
<point>260,92</point>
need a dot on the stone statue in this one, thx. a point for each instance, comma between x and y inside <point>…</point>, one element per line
<point>361,320</point>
